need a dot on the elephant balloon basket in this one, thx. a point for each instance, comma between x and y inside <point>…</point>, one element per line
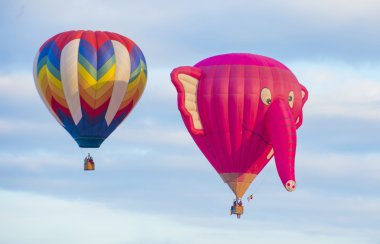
<point>238,210</point>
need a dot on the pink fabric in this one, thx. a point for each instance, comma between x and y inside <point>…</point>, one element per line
<point>239,130</point>
<point>241,59</point>
<point>282,132</point>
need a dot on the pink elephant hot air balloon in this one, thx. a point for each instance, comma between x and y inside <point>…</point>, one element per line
<point>241,109</point>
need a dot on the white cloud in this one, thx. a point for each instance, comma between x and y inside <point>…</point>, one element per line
<point>157,134</point>
<point>340,90</point>
<point>335,12</point>
<point>18,87</point>
<point>40,219</point>
<point>168,32</point>
<point>39,159</point>
<point>177,31</point>
<point>332,165</point>
<point>159,87</point>
<point>31,218</point>
<point>18,126</point>
<point>335,90</point>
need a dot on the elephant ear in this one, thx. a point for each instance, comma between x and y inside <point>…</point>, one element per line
<point>305,96</point>
<point>186,80</point>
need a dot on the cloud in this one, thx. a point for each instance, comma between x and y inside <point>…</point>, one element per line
<point>152,184</point>
<point>37,160</point>
<point>152,178</point>
<point>341,166</point>
<point>45,219</point>
<point>349,11</point>
<point>36,218</point>
<point>11,126</point>
<point>178,33</point>
<point>342,107</point>
<point>17,87</point>
<point>340,90</point>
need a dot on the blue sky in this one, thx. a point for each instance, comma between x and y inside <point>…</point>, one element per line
<point>152,185</point>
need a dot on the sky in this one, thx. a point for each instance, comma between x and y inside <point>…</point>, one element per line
<point>152,184</point>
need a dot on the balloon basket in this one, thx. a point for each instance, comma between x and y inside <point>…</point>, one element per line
<point>89,166</point>
<point>89,163</point>
<point>237,208</point>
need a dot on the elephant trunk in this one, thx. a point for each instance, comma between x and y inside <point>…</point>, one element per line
<point>281,128</point>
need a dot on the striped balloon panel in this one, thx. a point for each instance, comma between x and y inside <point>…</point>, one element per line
<point>90,81</point>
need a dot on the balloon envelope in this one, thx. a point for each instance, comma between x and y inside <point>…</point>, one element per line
<point>90,81</point>
<point>241,109</point>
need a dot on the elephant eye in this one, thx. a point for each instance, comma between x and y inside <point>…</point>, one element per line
<point>291,99</point>
<point>266,96</point>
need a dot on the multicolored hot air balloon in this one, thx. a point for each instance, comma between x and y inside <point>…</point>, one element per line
<point>90,81</point>
<point>241,109</point>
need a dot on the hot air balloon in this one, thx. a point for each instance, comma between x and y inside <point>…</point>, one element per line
<point>90,81</point>
<point>241,109</point>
